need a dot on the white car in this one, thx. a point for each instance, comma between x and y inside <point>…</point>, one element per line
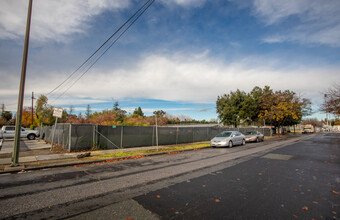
<point>228,139</point>
<point>8,132</point>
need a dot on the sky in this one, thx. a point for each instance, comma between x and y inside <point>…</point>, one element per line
<point>178,57</point>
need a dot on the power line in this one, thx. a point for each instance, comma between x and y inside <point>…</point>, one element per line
<point>98,57</point>
<point>93,59</point>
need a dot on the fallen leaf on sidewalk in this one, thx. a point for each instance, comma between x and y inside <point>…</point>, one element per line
<point>238,179</point>
<point>335,192</point>
<point>305,208</point>
<point>217,200</point>
<point>158,196</point>
<point>315,202</point>
<point>203,185</point>
<point>260,174</point>
<point>295,216</point>
<point>295,190</point>
<point>333,212</point>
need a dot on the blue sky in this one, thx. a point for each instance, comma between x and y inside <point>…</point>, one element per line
<point>178,57</point>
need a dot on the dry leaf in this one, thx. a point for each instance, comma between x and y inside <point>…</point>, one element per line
<point>158,196</point>
<point>333,212</point>
<point>315,202</point>
<point>295,216</point>
<point>217,200</point>
<point>335,192</point>
<point>238,179</point>
<point>203,185</point>
<point>305,208</point>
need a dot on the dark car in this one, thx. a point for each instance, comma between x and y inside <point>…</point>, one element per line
<point>254,136</point>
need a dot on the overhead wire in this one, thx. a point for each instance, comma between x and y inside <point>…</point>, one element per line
<point>99,56</point>
<point>94,58</point>
<point>94,53</point>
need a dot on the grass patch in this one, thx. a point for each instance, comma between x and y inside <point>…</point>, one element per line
<point>147,152</point>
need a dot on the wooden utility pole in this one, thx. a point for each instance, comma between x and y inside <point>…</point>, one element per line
<point>32,107</point>
<point>16,146</point>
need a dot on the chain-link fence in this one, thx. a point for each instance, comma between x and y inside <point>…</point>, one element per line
<point>75,137</point>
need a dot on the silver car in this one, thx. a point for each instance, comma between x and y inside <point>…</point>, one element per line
<point>228,139</point>
<point>254,136</point>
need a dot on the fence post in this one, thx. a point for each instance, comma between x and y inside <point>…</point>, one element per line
<point>93,135</point>
<point>177,135</point>
<point>207,134</point>
<point>70,138</point>
<point>121,136</point>
<point>58,130</point>
<point>153,136</point>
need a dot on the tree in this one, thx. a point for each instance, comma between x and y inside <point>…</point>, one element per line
<point>6,118</point>
<point>44,111</point>
<point>138,111</point>
<point>312,121</point>
<point>282,108</point>
<point>71,110</point>
<point>116,106</point>
<point>229,107</point>
<point>26,118</point>
<point>88,112</point>
<point>159,113</point>
<point>7,115</point>
<point>332,100</point>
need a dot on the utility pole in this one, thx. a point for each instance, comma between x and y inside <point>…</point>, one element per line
<point>2,108</point>
<point>32,107</point>
<point>16,146</point>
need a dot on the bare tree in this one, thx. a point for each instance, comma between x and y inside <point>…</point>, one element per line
<point>332,100</point>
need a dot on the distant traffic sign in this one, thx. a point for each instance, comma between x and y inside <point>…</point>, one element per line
<point>58,112</point>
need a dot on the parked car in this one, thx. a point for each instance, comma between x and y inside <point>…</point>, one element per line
<point>254,136</point>
<point>7,132</point>
<point>228,139</point>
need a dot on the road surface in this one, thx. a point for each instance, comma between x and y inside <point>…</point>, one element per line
<point>292,179</point>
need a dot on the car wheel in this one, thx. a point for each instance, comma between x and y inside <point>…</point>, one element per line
<point>31,137</point>
<point>230,145</point>
<point>243,142</point>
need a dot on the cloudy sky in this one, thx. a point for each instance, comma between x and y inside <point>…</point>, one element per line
<point>179,56</point>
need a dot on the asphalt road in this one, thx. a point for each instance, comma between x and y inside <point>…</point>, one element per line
<point>274,180</point>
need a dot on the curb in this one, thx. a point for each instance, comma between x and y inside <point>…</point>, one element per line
<point>85,163</point>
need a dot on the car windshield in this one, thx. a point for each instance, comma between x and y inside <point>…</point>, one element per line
<point>251,132</point>
<point>224,134</point>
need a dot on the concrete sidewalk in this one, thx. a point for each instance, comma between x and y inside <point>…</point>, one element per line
<point>39,156</point>
<point>57,156</point>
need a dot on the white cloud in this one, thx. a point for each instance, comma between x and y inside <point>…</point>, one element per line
<point>182,76</point>
<point>314,21</point>
<point>184,3</point>
<point>51,20</point>
<point>190,78</point>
